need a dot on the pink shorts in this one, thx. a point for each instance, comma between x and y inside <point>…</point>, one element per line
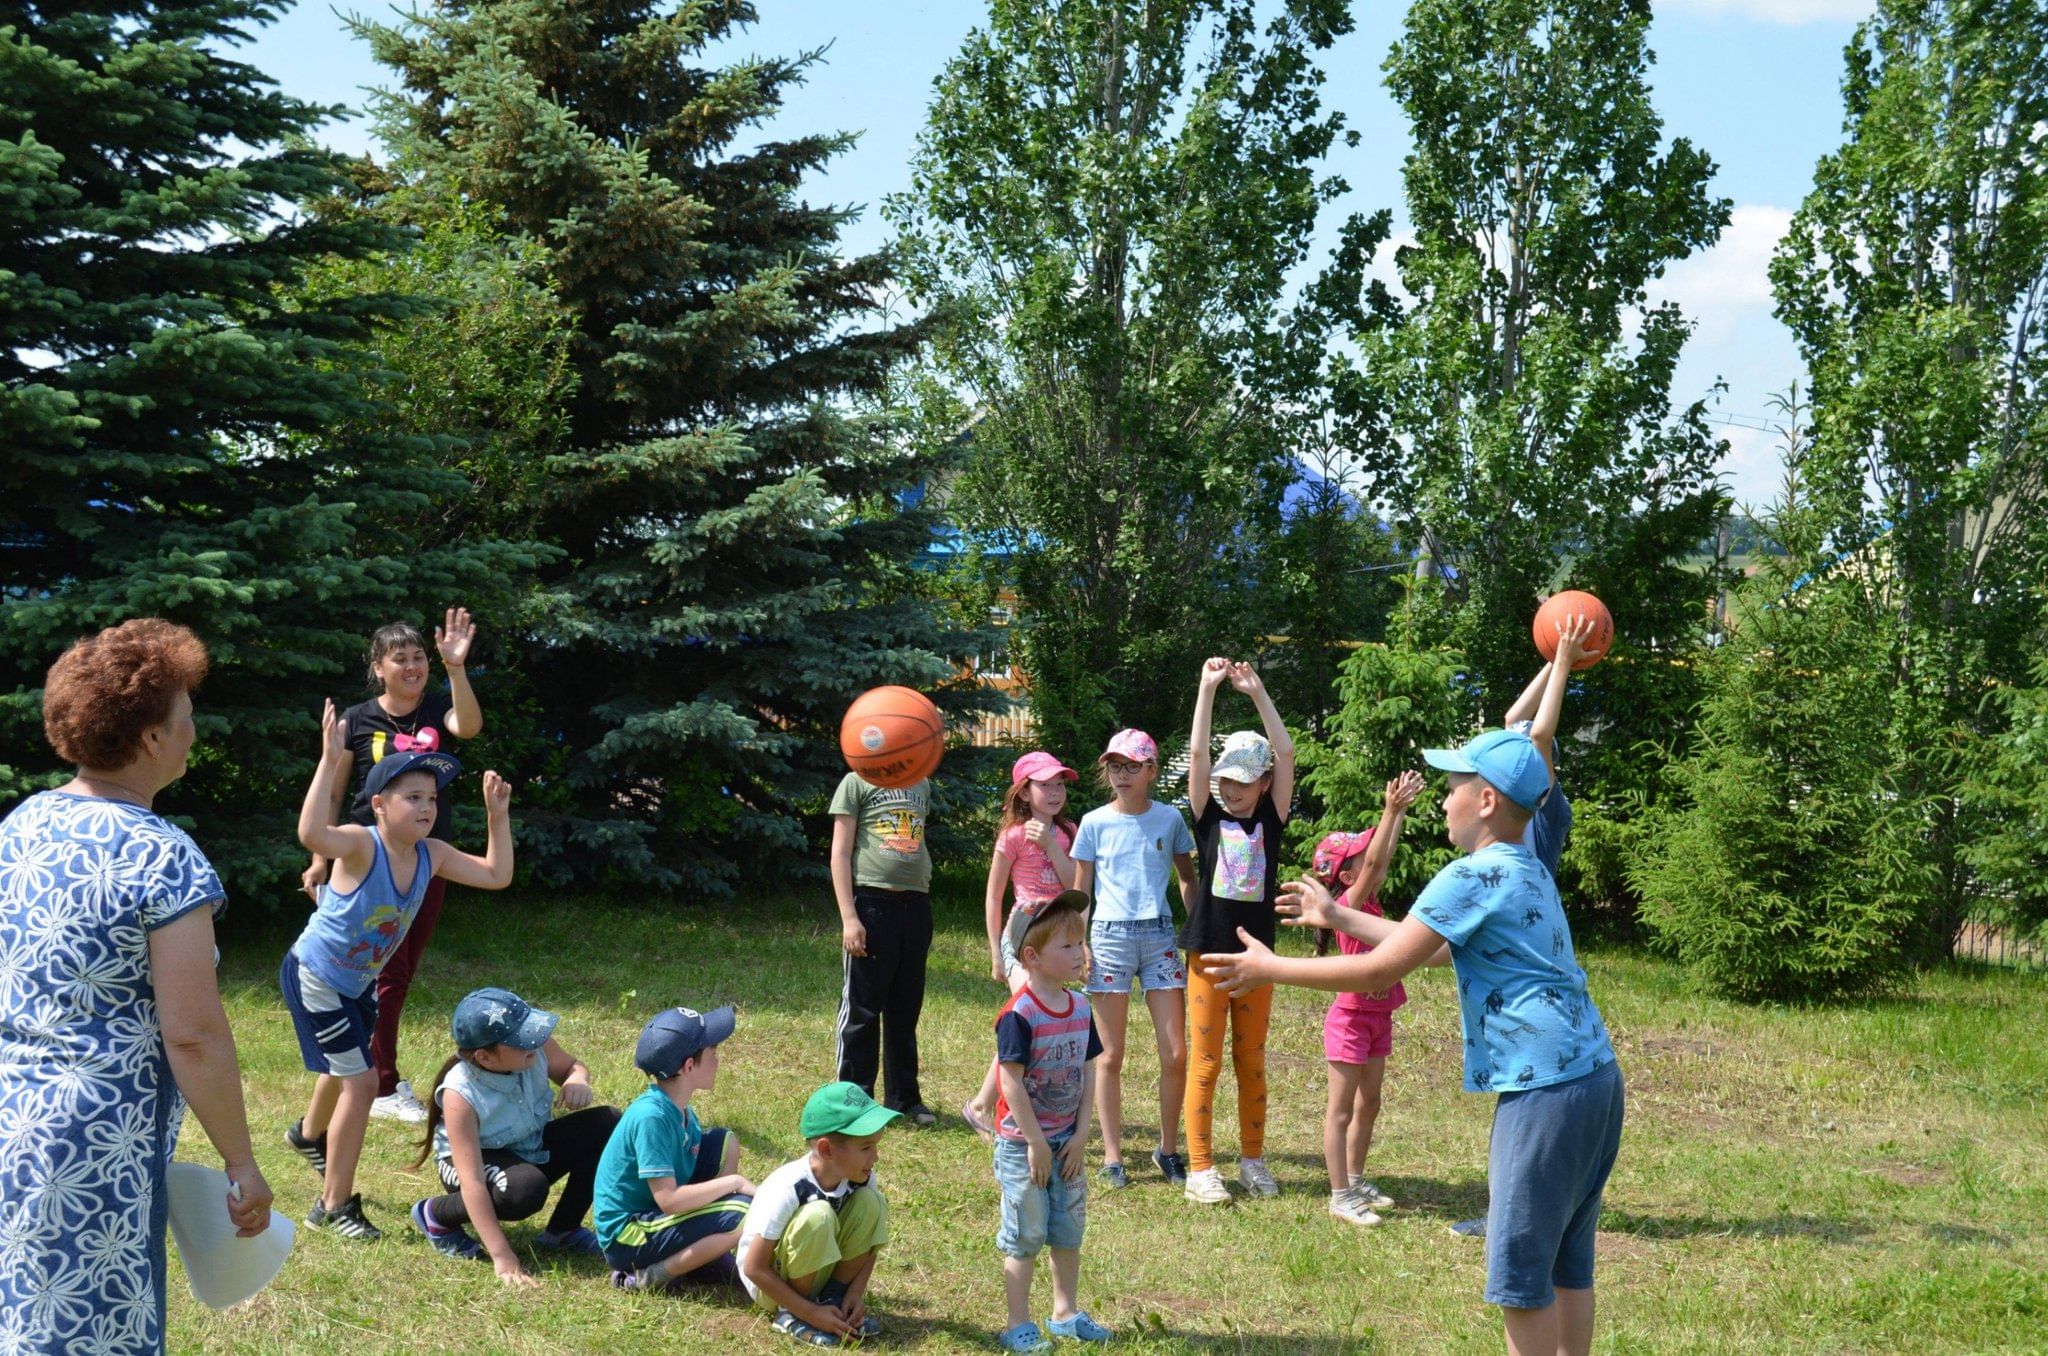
<point>1354,1035</point>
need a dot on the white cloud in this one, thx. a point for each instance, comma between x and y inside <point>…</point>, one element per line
<point>1727,289</point>
<point>1777,11</point>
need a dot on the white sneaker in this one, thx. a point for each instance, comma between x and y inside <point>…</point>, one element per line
<point>400,1105</point>
<point>1351,1210</point>
<point>1370,1195</point>
<point>1252,1172</point>
<point>1206,1185</point>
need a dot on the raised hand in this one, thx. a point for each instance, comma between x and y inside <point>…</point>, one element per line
<point>1403,790</point>
<point>454,637</point>
<point>1572,633</point>
<point>333,733</point>
<point>1215,672</point>
<point>1305,903</point>
<point>497,795</point>
<point>1245,678</point>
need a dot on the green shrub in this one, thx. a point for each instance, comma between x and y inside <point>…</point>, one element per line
<point>1791,871</point>
<point>1393,702</point>
<point>1592,874</point>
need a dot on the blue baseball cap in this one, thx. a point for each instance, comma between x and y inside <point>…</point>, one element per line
<point>676,1034</point>
<point>1508,761</point>
<point>500,1017</point>
<point>444,768</point>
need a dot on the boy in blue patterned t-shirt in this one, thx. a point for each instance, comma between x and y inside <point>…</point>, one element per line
<point>1532,1033</point>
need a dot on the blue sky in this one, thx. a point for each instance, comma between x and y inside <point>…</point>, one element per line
<point>1754,82</point>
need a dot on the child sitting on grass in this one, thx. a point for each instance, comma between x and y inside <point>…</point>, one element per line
<point>670,1198</point>
<point>1532,1033</point>
<point>1045,1043</point>
<point>495,1148</point>
<point>819,1222</point>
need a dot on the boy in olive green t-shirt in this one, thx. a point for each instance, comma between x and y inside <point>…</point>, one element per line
<point>881,877</point>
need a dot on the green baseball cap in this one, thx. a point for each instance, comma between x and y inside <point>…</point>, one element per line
<point>843,1109</point>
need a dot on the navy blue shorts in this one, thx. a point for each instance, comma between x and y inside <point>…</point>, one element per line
<point>334,1029</point>
<point>649,1237</point>
<point>1552,1150</point>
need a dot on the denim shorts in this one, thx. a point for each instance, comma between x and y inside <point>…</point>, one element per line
<point>1144,950</point>
<point>1034,1216</point>
<point>1552,1150</point>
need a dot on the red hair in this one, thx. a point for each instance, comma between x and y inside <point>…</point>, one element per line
<point>104,692</point>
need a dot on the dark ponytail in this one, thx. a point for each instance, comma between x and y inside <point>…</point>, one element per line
<point>434,1104</point>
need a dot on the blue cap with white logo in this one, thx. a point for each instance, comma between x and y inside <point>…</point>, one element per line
<point>1506,759</point>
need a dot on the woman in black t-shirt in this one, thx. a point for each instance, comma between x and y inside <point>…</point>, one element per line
<point>403,717</point>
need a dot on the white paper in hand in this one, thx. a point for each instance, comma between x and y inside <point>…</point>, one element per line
<point>222,1269</point>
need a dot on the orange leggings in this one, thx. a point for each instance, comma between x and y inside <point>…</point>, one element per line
<point>1249,1015</point>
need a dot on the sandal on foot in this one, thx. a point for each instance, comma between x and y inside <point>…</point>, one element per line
<point>792,1326</point>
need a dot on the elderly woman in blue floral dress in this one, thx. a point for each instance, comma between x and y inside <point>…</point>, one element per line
<point>109,1009</point>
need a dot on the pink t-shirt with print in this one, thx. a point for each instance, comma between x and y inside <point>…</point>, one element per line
<point>1386,1000</point>
<point>1032,879</point>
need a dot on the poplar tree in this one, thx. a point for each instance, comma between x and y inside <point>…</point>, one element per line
<point>726,493</point>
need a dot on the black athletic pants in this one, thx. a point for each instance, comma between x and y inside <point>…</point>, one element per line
<point>884,993</point>
<point>519,1188</point>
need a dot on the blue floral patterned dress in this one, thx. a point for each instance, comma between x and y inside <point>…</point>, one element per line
<point>88,1109</point>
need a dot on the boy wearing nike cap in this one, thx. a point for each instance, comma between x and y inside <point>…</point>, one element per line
<point>669,1198</point>
<point>1532,1033</point>
<point>819,1222</point>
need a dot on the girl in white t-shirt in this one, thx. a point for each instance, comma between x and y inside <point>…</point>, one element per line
<point>1031,861</point>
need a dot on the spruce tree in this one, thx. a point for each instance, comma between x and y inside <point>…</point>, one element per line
<point>726,492</point>
<point>164,410</point>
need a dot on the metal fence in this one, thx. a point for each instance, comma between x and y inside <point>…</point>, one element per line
<point>1996,942</point>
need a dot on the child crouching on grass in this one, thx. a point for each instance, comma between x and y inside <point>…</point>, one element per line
<point>1532,1034</point>
<point>670,1198</point>
<point>819,1222</point>
<point>495,1148</point>
<point>1045,1043</point>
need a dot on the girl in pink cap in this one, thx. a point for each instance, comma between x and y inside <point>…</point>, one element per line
<point>1358,1033</point>
<point>1031,861</point>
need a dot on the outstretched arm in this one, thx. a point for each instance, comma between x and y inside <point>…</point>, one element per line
<point>1246,679</point>
<point>1571,643</point>
<point>1379,853</point>
<point>493,870</point>
<point>453,639</point>
<point>1410,945</point>
<point>1525,705</point>
<point>319,834</point>
<point>1214,673</point>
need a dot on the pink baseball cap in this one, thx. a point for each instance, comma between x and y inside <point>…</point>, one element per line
<point>1335,850</point>
<point>1039,766</point>
<point>1135,745</point>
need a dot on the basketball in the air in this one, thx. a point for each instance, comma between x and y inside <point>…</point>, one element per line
<point>892,737</point>
<point>1557,609</point>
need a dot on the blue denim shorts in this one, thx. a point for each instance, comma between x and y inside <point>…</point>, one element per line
<point>1035,1216</point>
<point>1552,1150</point>
<point>1143,950</point>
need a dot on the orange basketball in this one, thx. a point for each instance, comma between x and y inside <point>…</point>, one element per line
<point>1560,606</point>
<point>892,737</point>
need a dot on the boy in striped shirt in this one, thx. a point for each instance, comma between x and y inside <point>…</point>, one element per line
<point>1045,1039</point>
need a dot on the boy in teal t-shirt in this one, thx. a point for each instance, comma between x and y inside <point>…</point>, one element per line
<point>668,1199</point>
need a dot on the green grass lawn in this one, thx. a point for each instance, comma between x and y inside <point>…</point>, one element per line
<point>1860,1178</point>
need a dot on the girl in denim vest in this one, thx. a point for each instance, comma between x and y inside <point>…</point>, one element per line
<point>495,1145</point>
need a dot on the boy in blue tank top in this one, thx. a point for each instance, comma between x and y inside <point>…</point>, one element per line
<point>367,903</point>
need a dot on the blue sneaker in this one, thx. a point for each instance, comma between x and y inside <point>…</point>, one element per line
<point>1172,1167</point>
<point>1080,1327</point>
<point>1025,1337</point>
<point>454,1242</point>
<point>1114,1176</point>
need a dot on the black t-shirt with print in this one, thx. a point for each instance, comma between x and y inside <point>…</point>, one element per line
<point>374,734</point>
<point>1235,858</point>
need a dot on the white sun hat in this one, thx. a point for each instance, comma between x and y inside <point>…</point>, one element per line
<point>223,1270</point>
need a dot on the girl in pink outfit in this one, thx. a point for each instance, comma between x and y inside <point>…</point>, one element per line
<point>1358,1033</point>
<point>1031,861</point>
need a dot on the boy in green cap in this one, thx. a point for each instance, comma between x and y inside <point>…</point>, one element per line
<point>810,1241</point>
